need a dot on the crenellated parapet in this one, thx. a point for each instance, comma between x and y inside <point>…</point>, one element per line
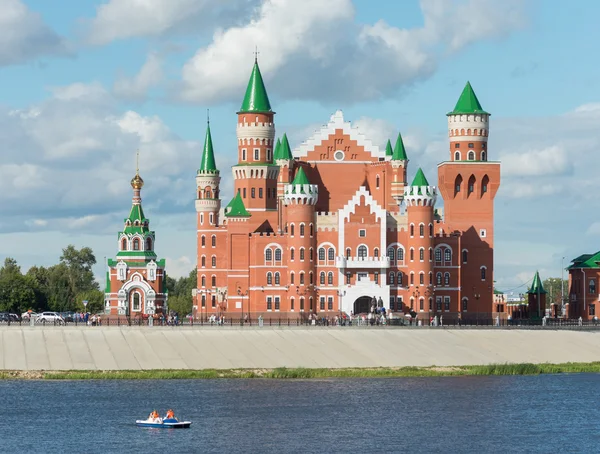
<point>300,191</point>
<point>420,192</point>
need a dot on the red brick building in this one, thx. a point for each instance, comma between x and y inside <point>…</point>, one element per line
<point>135,280</point>
<point>584,275</point>
<point>334,225</point>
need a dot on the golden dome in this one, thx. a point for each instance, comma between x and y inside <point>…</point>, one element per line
<point>137,182</point>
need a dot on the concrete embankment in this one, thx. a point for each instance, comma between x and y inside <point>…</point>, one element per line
<point>127,348</point>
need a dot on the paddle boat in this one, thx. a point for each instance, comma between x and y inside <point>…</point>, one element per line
<point>168,422</point>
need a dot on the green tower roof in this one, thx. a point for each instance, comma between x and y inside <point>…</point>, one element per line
<point>137,214</point>
<point>388,149</point>
<point>276,152</point>
<point>285,152</point>
<point>236,208</point>
<point>468,103</point>
<point>301,177</point>
<point>399,153</point>
<point>208,156</point>
<point>536,285</point>
<point>256,99</point>
<point>420,179</point>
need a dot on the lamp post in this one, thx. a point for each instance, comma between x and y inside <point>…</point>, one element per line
<point>562,286</point>
<point>340,294</point>
<point>203,302</point>
<point>244,294</point>
<point>221,294</point>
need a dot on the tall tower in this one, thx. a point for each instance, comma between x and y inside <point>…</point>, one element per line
<point>284,159</point>
<point>135,284</point>
<point>399,163</point>
<point>468,182</point>
<point>300,199</point>
<point>255,175</point>
<point>420,199</point>
<point>209,239</point>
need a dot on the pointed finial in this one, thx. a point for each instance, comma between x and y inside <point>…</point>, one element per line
<point>207,116</point>
<point>256,52</point>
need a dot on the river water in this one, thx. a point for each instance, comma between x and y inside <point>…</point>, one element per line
<point>548,414</point>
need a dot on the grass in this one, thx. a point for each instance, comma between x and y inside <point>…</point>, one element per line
<point>300,373</point>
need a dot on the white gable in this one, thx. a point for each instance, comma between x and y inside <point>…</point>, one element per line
<point>337,122</point>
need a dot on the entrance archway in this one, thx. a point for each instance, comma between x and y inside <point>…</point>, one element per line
<point>362,305</point>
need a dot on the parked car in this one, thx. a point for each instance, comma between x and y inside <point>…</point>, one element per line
<point>50,317</point>
<point>68,316</point>
<point>26,316</point>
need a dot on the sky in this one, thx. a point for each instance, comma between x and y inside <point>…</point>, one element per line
<point>86,83</point>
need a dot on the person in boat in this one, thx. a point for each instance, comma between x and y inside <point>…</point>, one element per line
<point>170,414</point>
<point>153,415</point>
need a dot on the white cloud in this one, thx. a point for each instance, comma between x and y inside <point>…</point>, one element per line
<point>322,53</point>
<point>24,35</point>
<point>121,19</point>
<point>136,88</point>
<point>552,160</point>
<point>180,267</point>
<point>525,190</point>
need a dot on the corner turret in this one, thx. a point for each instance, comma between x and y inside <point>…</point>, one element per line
<point>207,184</point>
<point>300,191</point>
<point>420,193</point>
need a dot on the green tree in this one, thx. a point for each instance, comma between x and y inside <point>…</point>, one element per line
<point>78,272</point>
<point>16,291</point>
<point>553,286</point>
<point>59,292</point>
<point>95,299</point>
<point>39,278</point>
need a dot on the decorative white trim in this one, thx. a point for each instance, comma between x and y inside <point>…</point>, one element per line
<point>337,122</point>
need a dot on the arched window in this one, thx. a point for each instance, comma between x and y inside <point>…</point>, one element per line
<point>438,255</point>
<point>203,241</point>
<point>457,155</point>
<point>277,278</point>
<point>485,181</point>
<point>148,244</point>
<point>302,304</point>
<point>390,253</point>
<point>483,157</point>
<point>457,185</point>
<point>301,230</point>
<point>310,277</point>
<point>292,303</point>
<point>483,270</point>
<point>292,252</point>
<point>292,275</point>
<point>203,281</point>
<point>400,254</point>
<point>301,253</point>
<point>321,253</point>
<point>124,244</point>
<point>311,229</point>
<point>430,278</point>
<point>422,254</point>
<point>278,255</point>
<point>292,229</point>
<point>447,255</point>
<point>412,278</point>
<point>348,253</point>
<point>430,254</point>
<point>213,281</point>
<point>421,230</point>
<point>446,278</point>
<point>430,230</point>
<point>376,252</point>
<point>465,255</point>
<point>421,278</point>
<point>471,186</point>
<point>203,261</point>
<point>391,278</point>
<point>213,300</point>
<point>412,254</point>
<point>136,301</point>
<point>465,304</point>
<point>377,181</point>
<point>412,230</point>
<point>471,156</point>
<point>214,241</point>
<point>330,278</point>
<point>399,278</point>
<point>311,254</point>
<point>136,244</point>
<point>362,251</point>
<point>438,279</point>
<point>592,287</point>
<point>214,261</point>
<point>269,278</point>
<point>322,278</point>
<point>268,254</point>
<point>331,254</point>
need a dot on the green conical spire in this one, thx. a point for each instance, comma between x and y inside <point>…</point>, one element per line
<point>536,286</point>
<point>468,103</point>
<point>301,177</point>
<point>236,208</point>
<point>388,149</point>
<point>256,99</point>
<point>399,153</point>
<point>276,152</point>
<point>420,179</point>
<point>285,152</point>
<point>207,164</point>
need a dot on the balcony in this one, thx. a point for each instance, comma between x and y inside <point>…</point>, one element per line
<point>362,262</point>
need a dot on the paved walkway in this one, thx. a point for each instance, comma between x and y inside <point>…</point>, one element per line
<point>128,348</point>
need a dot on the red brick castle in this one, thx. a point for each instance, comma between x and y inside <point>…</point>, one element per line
<point>334,225</point>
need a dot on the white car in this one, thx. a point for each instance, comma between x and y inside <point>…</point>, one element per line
<point>28,315</point>
<point>50,317</point>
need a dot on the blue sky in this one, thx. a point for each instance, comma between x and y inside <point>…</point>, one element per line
<point>88,82</point>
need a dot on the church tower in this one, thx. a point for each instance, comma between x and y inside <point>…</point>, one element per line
<point>468,182</point>
<point>255,174</point>
<point>135,280</point>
